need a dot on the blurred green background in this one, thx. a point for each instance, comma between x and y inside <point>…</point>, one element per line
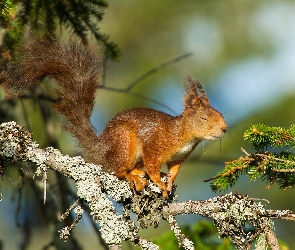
<point>243,54</point>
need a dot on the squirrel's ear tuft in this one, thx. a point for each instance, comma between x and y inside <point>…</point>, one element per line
<point>203,97</point>
<point>191,99</point>
<point>195,93</point>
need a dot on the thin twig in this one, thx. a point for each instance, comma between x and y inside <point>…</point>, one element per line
<point>272,240</point>
<point>183,241</point>
<point>154,70</point>
<point>130,86</point>
<point>282,160</point>
<point>245,152</point>
<point>283,170</point>
<point>140,96</point>
<point>275,158</point>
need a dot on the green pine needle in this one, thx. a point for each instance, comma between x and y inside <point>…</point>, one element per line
<point>272,167</point>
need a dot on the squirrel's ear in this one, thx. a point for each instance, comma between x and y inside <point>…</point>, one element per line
<point>192,87</point>
<point>203,98</point>
<point>191,99</point>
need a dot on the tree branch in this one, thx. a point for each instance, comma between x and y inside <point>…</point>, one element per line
<point>98,189</point>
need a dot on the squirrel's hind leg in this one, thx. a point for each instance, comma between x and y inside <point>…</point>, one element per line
<point>135,177</point>
<point>121,155</point>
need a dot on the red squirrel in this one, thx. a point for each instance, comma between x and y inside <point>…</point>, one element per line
<point>136,142</point>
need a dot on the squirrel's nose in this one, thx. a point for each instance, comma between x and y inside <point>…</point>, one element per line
<point>224,129</point>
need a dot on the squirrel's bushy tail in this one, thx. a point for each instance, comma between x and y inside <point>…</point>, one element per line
<point>73,66</point>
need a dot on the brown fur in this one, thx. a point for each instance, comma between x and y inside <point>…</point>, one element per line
<point>133,140</point>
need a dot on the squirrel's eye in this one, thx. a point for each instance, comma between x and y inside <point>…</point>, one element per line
<point>203,118</point>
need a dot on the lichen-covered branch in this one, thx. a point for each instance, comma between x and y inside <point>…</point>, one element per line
<point>99,189</point>
<point>17,145</point>
<point>183,241</point>
<point>231,213</point>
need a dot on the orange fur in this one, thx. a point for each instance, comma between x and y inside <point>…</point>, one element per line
<point>136,142</point>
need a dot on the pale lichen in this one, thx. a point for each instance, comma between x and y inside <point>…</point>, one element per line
<point>261,243</point>
<point>147,245</point>
<point>183,241</point>
<point>122,190</point>
<point>15,142</point>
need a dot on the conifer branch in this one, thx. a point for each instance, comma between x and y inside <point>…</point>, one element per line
<point>272,167</point>
<point>44,16</point>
